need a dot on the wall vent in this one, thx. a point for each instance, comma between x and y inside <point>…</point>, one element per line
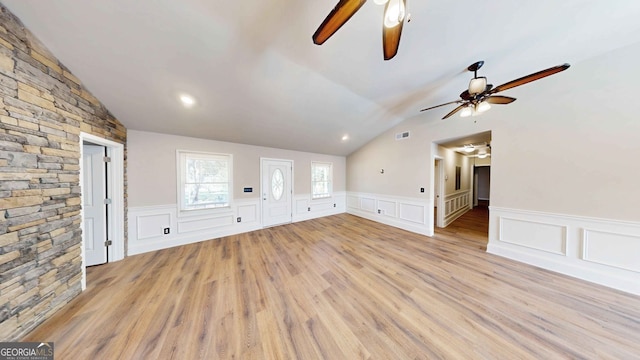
<point>402,135</point>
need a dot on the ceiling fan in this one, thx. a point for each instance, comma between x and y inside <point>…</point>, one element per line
<point>480,95</point>
<point>394,16</point>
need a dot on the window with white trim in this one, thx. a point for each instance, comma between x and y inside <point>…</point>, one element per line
<point>321,180</point>
<point>205,180</point>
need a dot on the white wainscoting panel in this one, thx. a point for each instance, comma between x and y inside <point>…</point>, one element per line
<point>302,205</point>
<point>613,249</point>
<point>306,208</point>
<point>456,205</point>
<point>546,237</point>
<point>187,225</point>
<point>368,204</point>
<point>413,213</point>
<point>147,224</point>
<point>410,214</point>
<point>388,208</point>
<point>603,251</point>
<point>152,225</point>
<point>248,212</point>
<point>353,201</point>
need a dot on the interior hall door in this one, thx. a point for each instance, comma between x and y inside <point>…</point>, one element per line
<point>94,194</point>
<point>277,191</point>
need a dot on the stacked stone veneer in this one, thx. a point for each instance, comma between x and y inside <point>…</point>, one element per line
<point>43,109</point>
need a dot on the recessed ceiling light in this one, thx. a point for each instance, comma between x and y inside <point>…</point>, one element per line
<point>187,100</point>
<point>345,137</point>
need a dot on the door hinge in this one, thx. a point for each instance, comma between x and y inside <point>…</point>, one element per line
<point>108,243</point>
<point>106,159</point>
<point>107,201</point>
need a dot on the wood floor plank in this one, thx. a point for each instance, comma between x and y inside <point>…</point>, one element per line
<point>341,287</point>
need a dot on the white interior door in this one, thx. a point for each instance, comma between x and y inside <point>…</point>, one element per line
<point>95,211</point>
<point>276,191</point>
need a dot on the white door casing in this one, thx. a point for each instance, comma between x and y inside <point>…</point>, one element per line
<point>277,191</point>
<point>438,177</point>
<point>95,211</point>
<point>436,182</point>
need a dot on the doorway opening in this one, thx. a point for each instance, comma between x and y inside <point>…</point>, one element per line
<point>95,203</point>
<point>462,183</point>
<point>102,201</point>
<point>438,188</point>
<point>481,185</point>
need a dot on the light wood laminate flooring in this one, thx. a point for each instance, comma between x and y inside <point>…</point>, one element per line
<point>340,287</point>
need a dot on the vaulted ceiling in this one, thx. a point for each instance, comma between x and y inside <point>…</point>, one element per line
<point>258,78</point>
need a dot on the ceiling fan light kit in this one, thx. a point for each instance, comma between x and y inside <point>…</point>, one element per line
<point>477,85</point>
<point>394,13</point>
<point>467,111</point>
<point>480,95</point>
<point>482,107</point>
<point>394,16</point>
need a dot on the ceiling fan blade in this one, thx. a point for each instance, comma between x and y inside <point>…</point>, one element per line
<point>498,99</point>
<point>391,36</point>
<point>343,11</point>
<point>437,106</point>
<point>455,111</point>
<point>529,78</point>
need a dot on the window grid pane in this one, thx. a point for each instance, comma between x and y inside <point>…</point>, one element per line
<point>206,182</point>
<point>320,180</point>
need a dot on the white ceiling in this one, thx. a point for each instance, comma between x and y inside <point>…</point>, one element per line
<point>259,79</point>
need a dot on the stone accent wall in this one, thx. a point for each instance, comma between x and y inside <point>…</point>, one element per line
<point>43,109</point>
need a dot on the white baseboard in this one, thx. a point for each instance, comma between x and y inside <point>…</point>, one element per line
<point>410,214</point>
<point>603,251</point>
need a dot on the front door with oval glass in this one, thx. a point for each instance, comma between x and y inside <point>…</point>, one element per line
<point>276,191</point>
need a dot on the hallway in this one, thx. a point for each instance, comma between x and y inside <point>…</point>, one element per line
<point>471,229</point>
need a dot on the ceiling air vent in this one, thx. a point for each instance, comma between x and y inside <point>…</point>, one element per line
<point>402,135</point>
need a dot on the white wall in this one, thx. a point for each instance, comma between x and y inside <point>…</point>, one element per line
<point>452,160</point>
<point>393,197</point>
<point>152,190</point>
<point>567,148</point>
<point>151,162</point>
